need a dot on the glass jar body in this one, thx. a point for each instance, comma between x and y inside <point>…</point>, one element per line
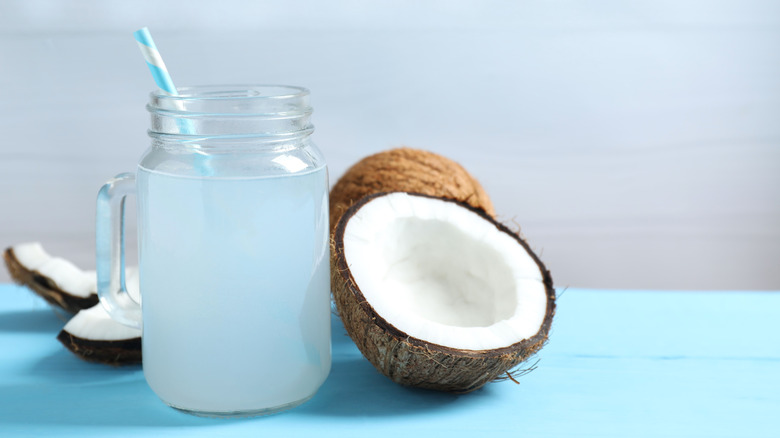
<point>233,254</point>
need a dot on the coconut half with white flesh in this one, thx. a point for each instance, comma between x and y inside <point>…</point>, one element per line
<point>93,336</point>
<point>436,293</point>
<point>56,280</point>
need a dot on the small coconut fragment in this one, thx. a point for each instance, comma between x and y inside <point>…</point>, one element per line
<point>406,170</point>
<point>436,293</point>
<point>58,281</point>
<point>93,336</point>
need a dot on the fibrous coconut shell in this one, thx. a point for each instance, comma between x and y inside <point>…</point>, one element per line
<point>114,352</point>
<point>45,287</point>
<point>414,362</point>
<point>406,170</point>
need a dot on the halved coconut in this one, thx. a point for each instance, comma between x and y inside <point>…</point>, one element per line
<point>437,294</point>
<point>58,281</point>
<point>93,336</point>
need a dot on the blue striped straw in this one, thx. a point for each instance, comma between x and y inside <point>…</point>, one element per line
<point>163,79</point>
<point>160,73</point>
<point>155,61</point>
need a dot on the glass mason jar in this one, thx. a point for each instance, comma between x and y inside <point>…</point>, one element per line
<point>233,250</point>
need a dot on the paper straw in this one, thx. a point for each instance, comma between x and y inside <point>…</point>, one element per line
<point>160,73</point>
<point>163,79</point>
<point>155,61</point>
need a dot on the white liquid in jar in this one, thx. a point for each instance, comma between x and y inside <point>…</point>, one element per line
<point>234,277</point>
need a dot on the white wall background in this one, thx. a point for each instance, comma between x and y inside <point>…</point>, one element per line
<point>636,143</point>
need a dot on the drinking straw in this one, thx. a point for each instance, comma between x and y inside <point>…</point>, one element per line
<point>154,61</point>
<point>160,73</point>
<point>163,79</point>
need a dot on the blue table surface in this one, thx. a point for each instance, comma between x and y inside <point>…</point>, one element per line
<point>619,363</point>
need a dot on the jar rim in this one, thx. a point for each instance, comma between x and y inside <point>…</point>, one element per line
<point>232,92</point>
<point>232,110</point>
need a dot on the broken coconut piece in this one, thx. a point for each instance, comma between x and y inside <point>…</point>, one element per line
<point>58,281</point>
<point>437,294</point>
<point>406,170</point>
<point>93,336</point>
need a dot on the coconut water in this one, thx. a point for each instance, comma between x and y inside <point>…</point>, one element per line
<point>235,289</point>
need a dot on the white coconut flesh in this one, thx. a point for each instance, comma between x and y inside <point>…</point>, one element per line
<point>95,323</point>
<point>67,276</point>
<point>443,274</point>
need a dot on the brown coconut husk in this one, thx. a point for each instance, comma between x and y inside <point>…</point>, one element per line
<point>45,287</point>
<point>406,170</point>
<point>116,353</point>
<point>413,362</point>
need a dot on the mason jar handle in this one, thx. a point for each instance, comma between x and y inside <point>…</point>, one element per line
<point>110,251</point>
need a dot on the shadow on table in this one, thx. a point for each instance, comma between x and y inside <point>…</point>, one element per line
<point>63,368</point>
<point>128,403</point>
<point>32,321</point>
<point>61,390</point>
<point>355,388</point>
<point>68,392</point>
